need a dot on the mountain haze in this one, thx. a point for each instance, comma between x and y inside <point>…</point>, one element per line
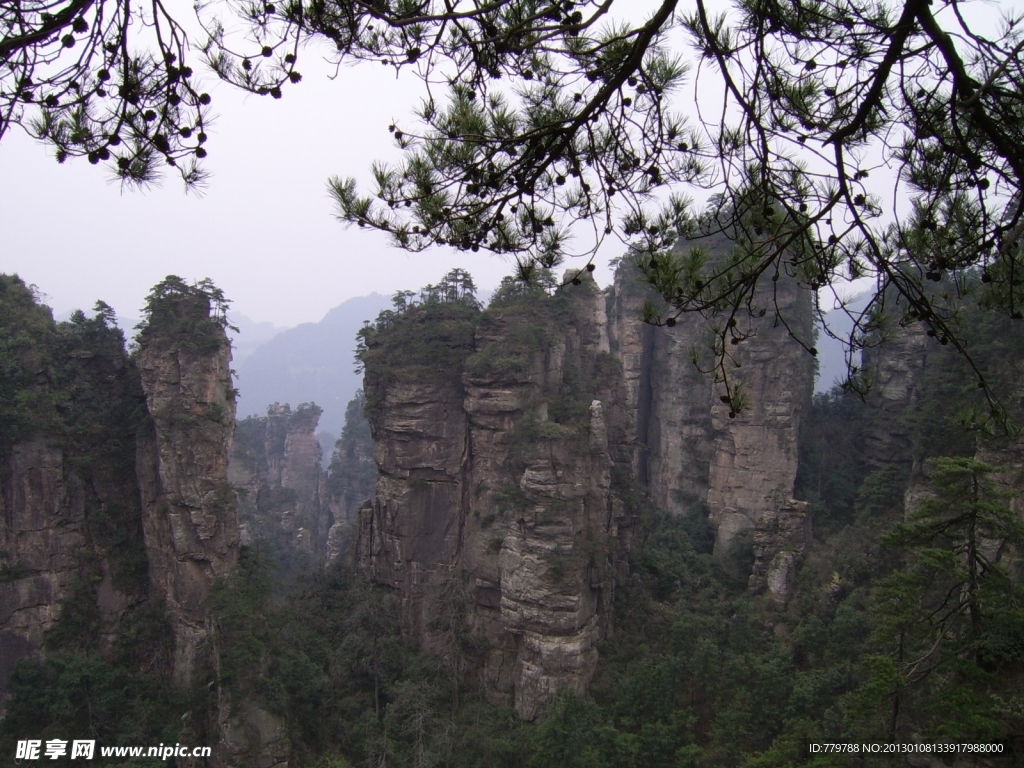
<point>309,363</point>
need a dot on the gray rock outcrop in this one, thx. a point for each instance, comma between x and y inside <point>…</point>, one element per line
<point>275,465</point>
<point>697,454</point>
<point>189,509</point>
<point>495,474</point>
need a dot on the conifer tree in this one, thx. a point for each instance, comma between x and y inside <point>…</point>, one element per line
<point>951,618</point>
<point>562,125</point>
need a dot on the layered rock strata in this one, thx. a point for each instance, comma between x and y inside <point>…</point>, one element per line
<point>189,509</point>
<point>494,487</point>
<point>42,521</point>
<point>697,454</point>
<point>70,531</point>
<point>495,466</point>
<point>275,464</point>
<point>780,541</point>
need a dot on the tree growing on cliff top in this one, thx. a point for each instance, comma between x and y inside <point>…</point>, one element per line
<point>194,314</point>
<point>547,118</point>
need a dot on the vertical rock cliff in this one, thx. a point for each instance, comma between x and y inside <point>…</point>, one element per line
<point>696,454</point>
<point>70,524</point>
<point>275,464</point>
<point>350,479</point>
<point>116,515</point>
<point>189,512</point>
<point>497,436</point>
<point>42,519</point>
<point>668,396</point>
<point>494,447</point>
<point>189,508</point>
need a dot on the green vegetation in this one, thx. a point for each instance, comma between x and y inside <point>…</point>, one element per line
<point>193,315</point>
<point>71,391</point>
<point>28,331</point>
<point>82,695</point>
<point>421,339</point>
<point>351,474</point>
<point>906,623</point>
<point>259,447</point>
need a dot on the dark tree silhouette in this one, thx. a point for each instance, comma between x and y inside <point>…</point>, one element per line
<point>548,126</point>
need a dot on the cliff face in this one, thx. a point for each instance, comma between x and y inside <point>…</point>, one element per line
<point>895,370</point>
<point>668,396</point>
<point>189,508</point>
<point>275,463</point>
<point>189,512</point>
<point>116,515</point>
<point>695,454</point>
<point>350,480</point>
<point>70,529</point>
<point>494,487</point>
<point>496,439</point>
<point>42,516</point>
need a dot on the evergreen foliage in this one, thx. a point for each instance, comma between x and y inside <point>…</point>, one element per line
<point>933,617</point>
<point>82,695</point>
<point>352,472</point>
<point>28,331</point>
<point>906,623</point>
<point>554,115</point>
<point>72,388</point>
<point>194,315</point>
<point>425,336</point>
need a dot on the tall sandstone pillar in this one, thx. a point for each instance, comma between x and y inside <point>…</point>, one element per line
<point>493,494</point>
<point>695,456</point>
<point>189,514</point>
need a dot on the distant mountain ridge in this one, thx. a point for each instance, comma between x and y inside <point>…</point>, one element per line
<point>311,362</point>
<point>249,336</point>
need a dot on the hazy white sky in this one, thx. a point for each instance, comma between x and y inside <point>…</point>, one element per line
<point>264,231</point>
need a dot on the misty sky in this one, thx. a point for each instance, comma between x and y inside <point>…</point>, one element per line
<point>264,231</point>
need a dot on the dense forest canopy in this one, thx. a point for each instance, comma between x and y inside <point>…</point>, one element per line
<point>548,126</point>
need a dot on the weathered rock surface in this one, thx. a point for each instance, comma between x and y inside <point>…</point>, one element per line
<point>190,516</point>
<point>894,370</point>
<point>668,397</point>
<point>114,495</point>
<point>780,541</point>
<point>275,463</point>
<point>189,510</point>
<point>42,517</point>
<point>495,469</point>
<point>696,454</point>
<point>755,458</point>
<point>496,473</point>
<point>70,527</point>
<point>250,736</point>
